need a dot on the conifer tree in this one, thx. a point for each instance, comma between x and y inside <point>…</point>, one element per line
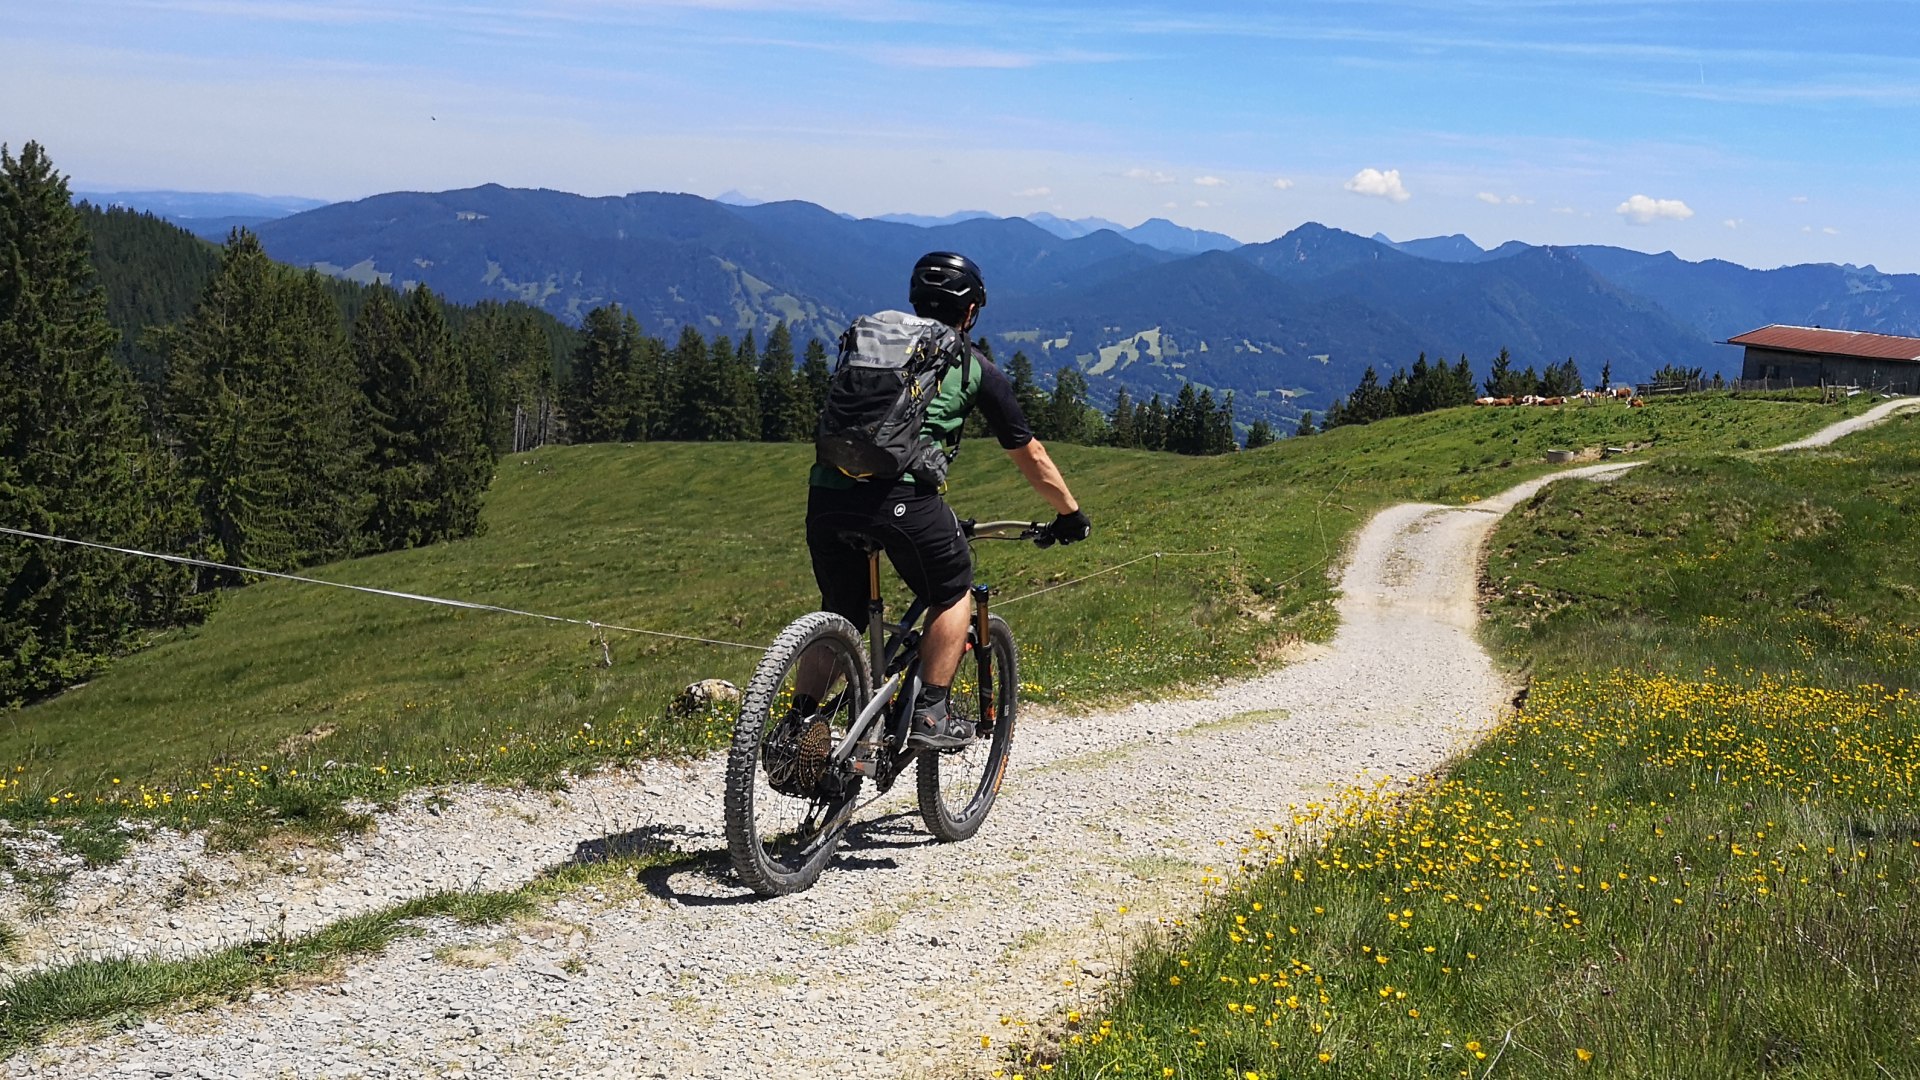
<point>1305,427</point>
<point>1121,430</point>
<point>1220,438</point>
<point>601,399</point>
<point>76,458</point>
<point>1502,380</point>
<point>429,455</point>
<point>695,387</point>
<point>1153,425</point>
<point>779,389</point>
<point>1259,434</point>
<point>736,416</point>
<point>814,374</point>
<point>1606,375</point>
<point>1026,393</point>
<point>1186,428</point>
<point>1368,402</point>
<point>263,409</point>
<point>1064,418</point>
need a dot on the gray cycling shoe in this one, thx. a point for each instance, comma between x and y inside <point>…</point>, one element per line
<point>938,729</point>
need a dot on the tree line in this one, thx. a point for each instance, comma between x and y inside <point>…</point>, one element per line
<point>267,428</point>
<point>160,394</point>
<point>1430,385</point>
<point>625,386</point>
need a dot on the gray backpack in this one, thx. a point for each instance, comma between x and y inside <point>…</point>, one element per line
<point>890,368</point>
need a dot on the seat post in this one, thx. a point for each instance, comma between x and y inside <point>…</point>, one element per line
<point>876,618</point>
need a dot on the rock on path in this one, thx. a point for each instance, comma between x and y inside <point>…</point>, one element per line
<point>902,957</point>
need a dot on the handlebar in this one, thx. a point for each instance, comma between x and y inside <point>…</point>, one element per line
<point>1006,530</point>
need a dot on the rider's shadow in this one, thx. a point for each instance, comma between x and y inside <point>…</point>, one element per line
<point>696,877</point>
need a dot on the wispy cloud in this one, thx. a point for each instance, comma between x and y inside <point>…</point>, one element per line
<point>1378,184</point>
<point>1033,193</point>
<point>1491,199</point>
<point>1733,222</point>
<point>1282,184</point>
<point>1151,176</point>
<point>1209,181</point>
<point>1643,210</point>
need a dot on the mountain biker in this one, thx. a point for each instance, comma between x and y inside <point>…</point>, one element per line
<point>911,519</point>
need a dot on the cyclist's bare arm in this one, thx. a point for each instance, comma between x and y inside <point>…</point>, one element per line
<point>1044,476</point>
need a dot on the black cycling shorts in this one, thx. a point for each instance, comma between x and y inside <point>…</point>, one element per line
<point>919,531</point>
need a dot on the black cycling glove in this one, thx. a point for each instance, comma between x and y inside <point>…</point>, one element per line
<point>1070,528</point>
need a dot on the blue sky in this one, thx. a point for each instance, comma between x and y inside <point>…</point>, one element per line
<point>1764,133</point>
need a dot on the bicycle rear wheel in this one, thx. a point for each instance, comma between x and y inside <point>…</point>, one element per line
<point>787,804</point>
<point>958,786</point>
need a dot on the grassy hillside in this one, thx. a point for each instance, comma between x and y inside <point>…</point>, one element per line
<point>1694,853</point>
<point>292,698</point>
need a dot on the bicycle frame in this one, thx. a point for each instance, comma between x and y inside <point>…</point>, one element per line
<point>893,650</point>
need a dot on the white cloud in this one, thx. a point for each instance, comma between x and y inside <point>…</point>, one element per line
<point>1831,231</point>
<point>1209,181</point>
<point>1800,199</point>
<point>1565,210</point>
<point>1491,199</point>
<point>1033,193</point>
<point>1382,185</point>
<point>1642,210</point>
<point>1202,204</point>
<point>1283,184</point>
<point>1733,222</point>
<point>1151,176</point>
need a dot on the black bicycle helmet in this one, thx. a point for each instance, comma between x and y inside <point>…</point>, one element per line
<point>945,286</point>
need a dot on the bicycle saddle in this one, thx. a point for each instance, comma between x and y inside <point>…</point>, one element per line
<point>858,541</point>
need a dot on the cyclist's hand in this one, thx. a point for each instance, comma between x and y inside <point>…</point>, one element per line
<point>1070,528</point>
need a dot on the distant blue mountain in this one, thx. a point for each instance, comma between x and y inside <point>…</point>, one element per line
<point>734,197</point>
<point>1455,248</point>
<point>925,222</point>
<point>1078,227</point>
<point>1288,324</point>
<point>1165,235</point>
<point>208,215</point>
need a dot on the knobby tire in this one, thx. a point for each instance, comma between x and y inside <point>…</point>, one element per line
<point>778,842</point>
<point>958,787</point>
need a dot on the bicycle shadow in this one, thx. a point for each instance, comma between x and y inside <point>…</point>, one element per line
<point>703,875</point>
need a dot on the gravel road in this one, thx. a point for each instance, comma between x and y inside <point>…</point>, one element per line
<point>897,964</point>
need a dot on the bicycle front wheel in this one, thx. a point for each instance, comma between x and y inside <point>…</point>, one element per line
<point>787,801</point>
<point>958,786</point>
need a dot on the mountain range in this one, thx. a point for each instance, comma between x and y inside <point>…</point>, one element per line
<point>1288,324</point>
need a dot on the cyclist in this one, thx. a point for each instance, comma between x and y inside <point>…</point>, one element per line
<point>911,519</point>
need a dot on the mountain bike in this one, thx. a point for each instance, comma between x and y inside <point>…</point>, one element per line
<point>795,769</point>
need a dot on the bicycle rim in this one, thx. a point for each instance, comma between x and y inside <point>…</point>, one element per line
<point>784,816</point>
<point>957,787</point>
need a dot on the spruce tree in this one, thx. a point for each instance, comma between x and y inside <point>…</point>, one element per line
<point>430,462</point>
<point>1260,434</point>
<point>1121,431</point>
<point>812,395</point>
<point>1305,427</point>
<point>1220,438</point>
<point>695,387</point>
<point>1065,414</point>
<point>76,457</point>
<point>778,388</point>
<point>1153,425</point>
<point>264,411</point>
<point>1186,428</point>
<point>1606,375</point>
<point>1026,393</point>
<point>1502,381</point>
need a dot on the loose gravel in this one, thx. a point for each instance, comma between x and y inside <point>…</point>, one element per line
<point>901,962</point>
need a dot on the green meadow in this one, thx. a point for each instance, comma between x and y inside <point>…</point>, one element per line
<point>1693,853</point>
<point>292,699</point>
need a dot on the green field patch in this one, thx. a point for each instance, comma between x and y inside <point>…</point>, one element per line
<point>292,699</point>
